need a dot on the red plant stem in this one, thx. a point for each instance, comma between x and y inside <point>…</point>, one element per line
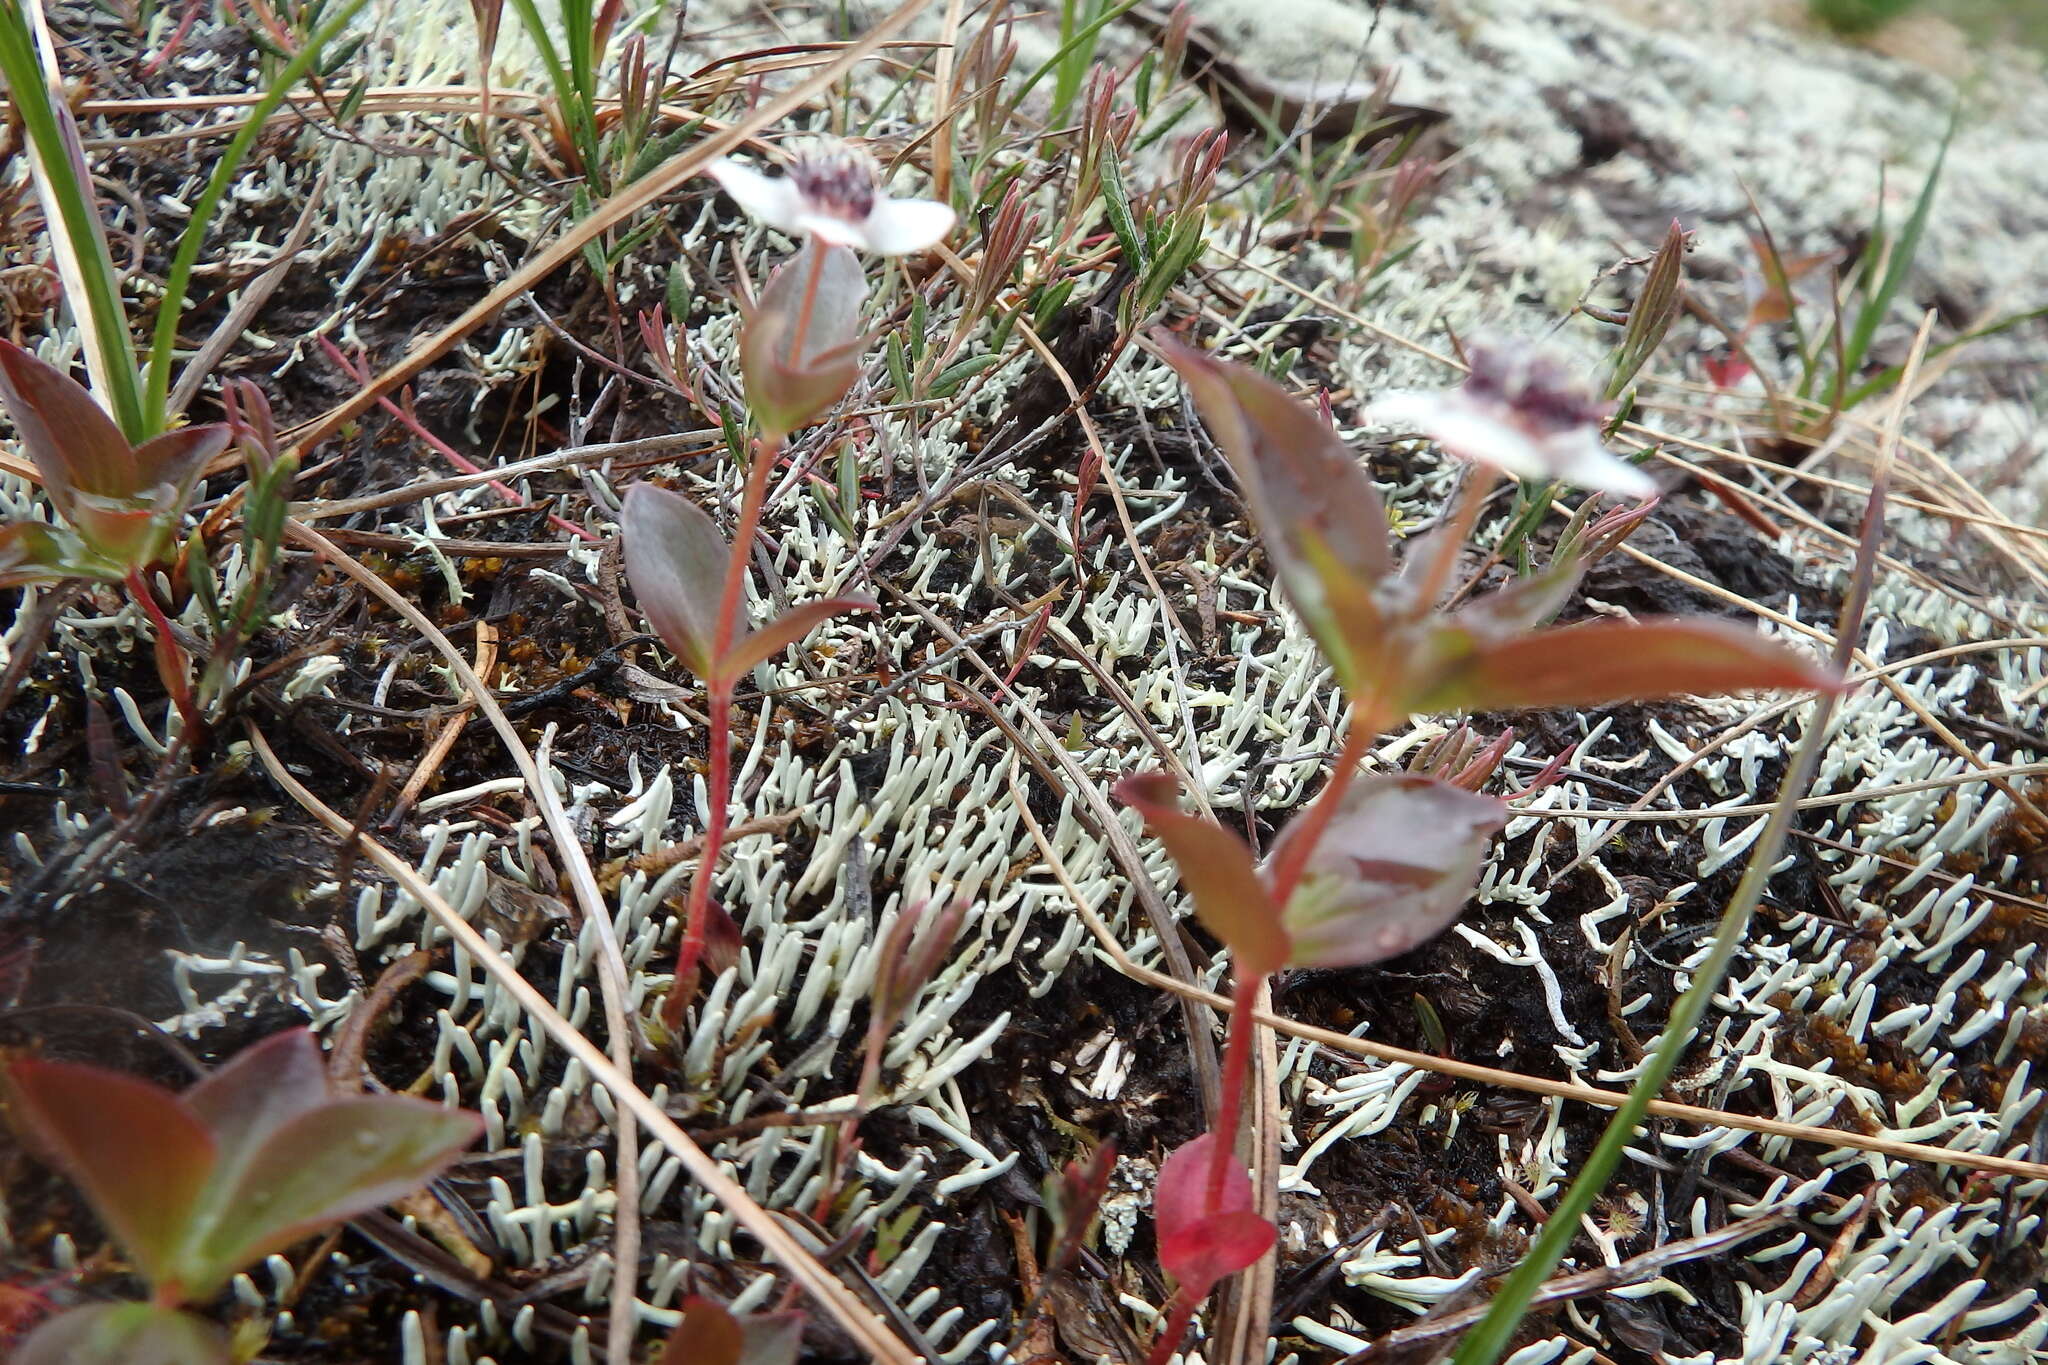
<point>442,448</point>
<point>1237,1060</point>
<point>1179,1313</point>
<point>170,660</point>
<point>718,689</point>
<point>1291,859</point>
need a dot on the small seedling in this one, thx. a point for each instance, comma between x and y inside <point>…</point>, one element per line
<point>120,502</point>
<point>194,1186</point>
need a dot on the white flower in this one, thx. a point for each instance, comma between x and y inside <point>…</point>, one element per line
<point>829,192</point>
<point>1519,411</point>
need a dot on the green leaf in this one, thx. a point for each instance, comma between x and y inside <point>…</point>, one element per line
<point>1393,868</point>
<point>141,1157</point>
<point>1116,202</point>
<point>784,631</point>
<point>676,561</point>
<point>1320,517</point>
<point>1878,306</point>
<point>124,1334</point>
<point>1593,663</point>
<point>343,1158</point>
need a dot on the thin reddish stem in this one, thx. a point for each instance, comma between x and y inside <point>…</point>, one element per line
<point>1291,858</point>
<point>718,706</point>
<point>1464,515</point>
<point>1179,1313</point>
<point>170,660</point>
<point>443,449</point>
<point>1237,1059</point>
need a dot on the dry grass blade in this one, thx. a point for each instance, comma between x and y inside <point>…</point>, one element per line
<point>802,1266</point>
<point>612,979</point>
<point>1635,1270</point>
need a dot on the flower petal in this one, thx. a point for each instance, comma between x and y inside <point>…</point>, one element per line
<point>1465,430</point>
<point>831,229</point>
<point>1581,459</point>
<point>772,199</point>
<point>897,227</point>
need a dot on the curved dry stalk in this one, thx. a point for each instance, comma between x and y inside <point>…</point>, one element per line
<point>1764,715</point>
<point>1514,1080</point>
<point>784,1249</point>
<point>612,980</point>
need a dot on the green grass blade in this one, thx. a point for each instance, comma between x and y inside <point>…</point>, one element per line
<point>1878,306</point>
<point>58,159</point>
<point>164,341</point>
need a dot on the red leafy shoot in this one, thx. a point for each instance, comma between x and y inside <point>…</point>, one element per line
<point>194,1186</point>
<point>120,503</point>
<point>1208,1228</point>
<point>1323,525</point>
<point>691,583</point>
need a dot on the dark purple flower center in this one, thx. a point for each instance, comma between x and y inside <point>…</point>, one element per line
<point>1538,394</point>
<point>837,180</point>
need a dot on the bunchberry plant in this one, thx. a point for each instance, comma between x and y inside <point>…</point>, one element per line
<point>194,1186</point>
<point>1378,864</point>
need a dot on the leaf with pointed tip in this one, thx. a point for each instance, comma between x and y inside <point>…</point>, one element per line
<point>174,461</point>
<point>74,445</point>
<point>140,1156</point>
<point>1230,899</point>
<point>326,1166</point>
<point>710,1335</point>
<point>1393,868</point>
<point>676,562</point>
<point>784,631</point>
<point>1321,519</point>
<point>124,1334</point>
<point>1202,1242</point>
<point>1524,604</point>
<point>1592,663</point>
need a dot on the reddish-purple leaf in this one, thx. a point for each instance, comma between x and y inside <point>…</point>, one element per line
<point>258,1091</point>
<point>74,445</point>
<point>1203,1241</point>
<point>1318,513</point>
<point>1592,663</point>
<point>676,562</point>
<point>1393,868</point>
<point>1230,900</point>
<point>784,631</point>
<point>140,1156</point>
<point>124,1334</point>
<point>799,347</point>
<point>174,461</point>
<point>711,1335</point>
<point>327,1165</point>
